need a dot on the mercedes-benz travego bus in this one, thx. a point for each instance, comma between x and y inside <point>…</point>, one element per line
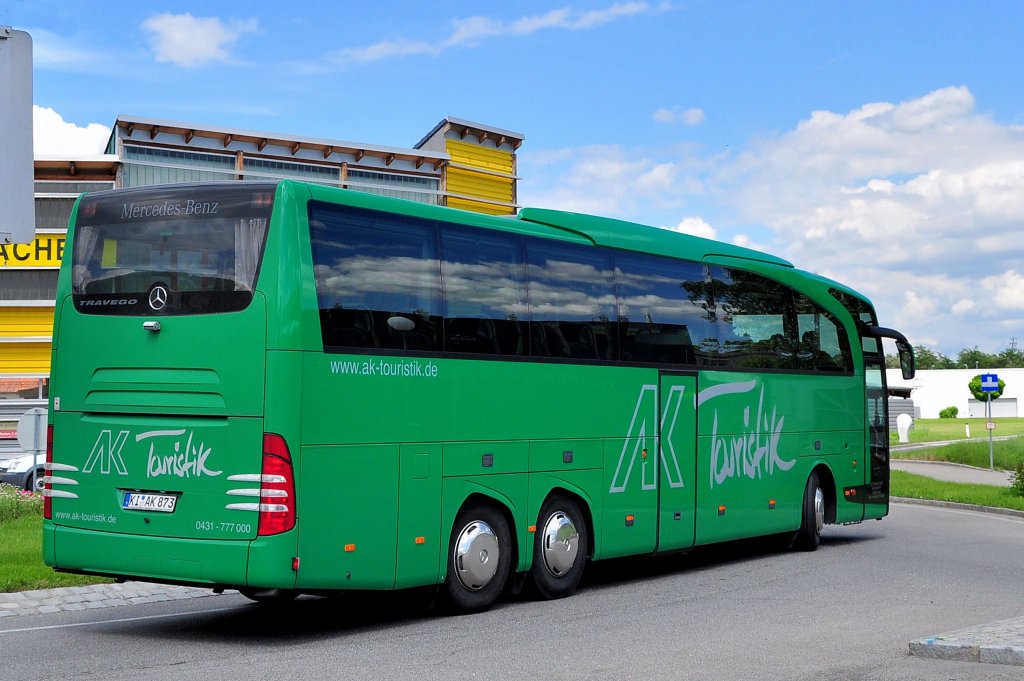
<point>290,388</point>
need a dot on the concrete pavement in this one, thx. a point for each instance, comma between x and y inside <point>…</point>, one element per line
<point>996,642</point>
<point>953,472</point>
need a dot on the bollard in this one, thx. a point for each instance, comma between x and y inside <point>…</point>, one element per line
<point>904,422</point>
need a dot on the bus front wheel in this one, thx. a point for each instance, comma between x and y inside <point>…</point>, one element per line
<point>813,519</point>
<point>560,547</point>
<point>479,558</point>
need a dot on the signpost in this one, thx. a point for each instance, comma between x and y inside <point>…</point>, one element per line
<point>989,385</point>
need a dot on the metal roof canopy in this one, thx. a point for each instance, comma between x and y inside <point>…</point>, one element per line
<point>261,140</point>
<point>101,167</point>
<point>481,131</point>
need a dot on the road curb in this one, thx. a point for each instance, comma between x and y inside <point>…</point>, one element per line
<point>958,506</point>
<point>73,598</point>
<point>997,643</point>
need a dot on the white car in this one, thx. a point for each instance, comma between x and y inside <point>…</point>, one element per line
<point>18,471</point>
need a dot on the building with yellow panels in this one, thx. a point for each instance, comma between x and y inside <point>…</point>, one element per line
<point>458,163</point>
<point>481,171</point>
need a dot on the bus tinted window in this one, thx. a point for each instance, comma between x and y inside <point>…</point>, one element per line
<point>662,310</point>
<point>572,301</point>
<point>378,278</point>
<point>485,292</point>
<point>823,342</point>
<point>176,250</point>
<point>756,326</point>
<point>864,314</point>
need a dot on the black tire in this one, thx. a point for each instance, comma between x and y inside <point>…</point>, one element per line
<point>475,576</point>
<point>270,596</point>
<point>560,547</point>
<point>809,536</point>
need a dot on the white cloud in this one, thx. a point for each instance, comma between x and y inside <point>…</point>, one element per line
<point>913,203</point>
<point>688,117</point>
<point>604,180</point>
<point>918,204</point>
<point>472,31</point>
<point>963,305</point>
<point>1006,289</point>
<point>188,41</point>
<point>53,136</point>
<point>696,226</point>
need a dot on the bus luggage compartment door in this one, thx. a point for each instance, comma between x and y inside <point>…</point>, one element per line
<point>677,461</point>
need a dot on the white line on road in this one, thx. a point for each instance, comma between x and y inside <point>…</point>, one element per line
<point>117,621</point>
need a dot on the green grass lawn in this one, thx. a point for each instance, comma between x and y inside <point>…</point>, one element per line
<point>1005,454</point>
<point>21,561</point>
<point>933,430</point>
<point>21,539</point>
<point>920,487</point>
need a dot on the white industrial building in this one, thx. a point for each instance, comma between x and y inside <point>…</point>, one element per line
<point>935,389</point>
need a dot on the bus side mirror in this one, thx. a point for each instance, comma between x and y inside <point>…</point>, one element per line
<point>906,354</point>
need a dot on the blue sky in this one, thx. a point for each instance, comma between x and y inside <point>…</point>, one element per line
<point>878,143</point>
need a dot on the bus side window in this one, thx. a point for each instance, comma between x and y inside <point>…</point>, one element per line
<point>661,313</point>
<point>572,301</point>
<point>757,329</point>
<point>377,278</point>
<point>484,278</point>
<point>824,345</point>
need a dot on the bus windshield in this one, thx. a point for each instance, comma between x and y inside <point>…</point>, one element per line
<point>179,250</point>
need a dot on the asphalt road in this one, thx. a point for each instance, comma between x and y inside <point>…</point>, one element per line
<point>847,611</point>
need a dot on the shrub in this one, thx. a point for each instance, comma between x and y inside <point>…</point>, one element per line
<point>949,413</point>
<point>975,387</point>
<point>16,503</point>
<point>1018,478</point>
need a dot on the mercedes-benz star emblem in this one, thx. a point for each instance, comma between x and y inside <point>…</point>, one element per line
<point>158,297</point>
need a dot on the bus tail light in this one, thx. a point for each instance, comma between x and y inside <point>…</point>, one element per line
<point>277,487</point>
<point>48,486</point>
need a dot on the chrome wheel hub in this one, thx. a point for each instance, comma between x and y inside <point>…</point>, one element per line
<point>560,544</point>
<point>476,555</point>
<point>819,509</point>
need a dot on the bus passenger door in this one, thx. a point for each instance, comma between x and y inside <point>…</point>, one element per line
<point>677,461</point>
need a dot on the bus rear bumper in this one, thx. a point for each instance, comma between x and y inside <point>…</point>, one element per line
<point>195,562</point>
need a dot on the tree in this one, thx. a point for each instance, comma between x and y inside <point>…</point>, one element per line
<point>1011,357</point>
<point>973,358</point>
<point>975,387</point>
<point>926,358</point>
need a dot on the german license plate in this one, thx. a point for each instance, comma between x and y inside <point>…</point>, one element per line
<point>138,501</point>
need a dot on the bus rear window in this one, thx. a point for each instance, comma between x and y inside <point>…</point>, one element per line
<point>170,250</point>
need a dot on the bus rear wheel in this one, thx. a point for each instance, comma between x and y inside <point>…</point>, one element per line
<point>479,558</point>
<point>560,547</point>
<point>813,519</point>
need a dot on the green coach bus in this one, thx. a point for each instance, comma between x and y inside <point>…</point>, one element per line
<point>291,388</point>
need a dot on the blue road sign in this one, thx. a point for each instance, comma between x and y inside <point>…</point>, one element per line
<point>989,383</point>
